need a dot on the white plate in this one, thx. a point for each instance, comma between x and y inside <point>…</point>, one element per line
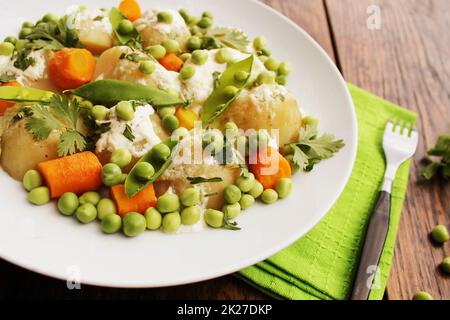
<point>40,239</point>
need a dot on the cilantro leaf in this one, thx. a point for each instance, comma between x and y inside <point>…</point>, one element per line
<point>442,150</point>
<point>71,141</point>
<point>22,60</point>
<point>128,133</point>
<point>198,180</point>
<point>230,37</point>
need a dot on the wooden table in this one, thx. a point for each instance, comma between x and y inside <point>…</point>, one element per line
<point>406,61</point>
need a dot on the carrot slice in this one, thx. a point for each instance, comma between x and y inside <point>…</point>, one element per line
<point>187,118</point>
<point>71,68</point>
<point>270,167</point>
<point>131,9</point>
<point>6,104</point>
<point>139,203</point>
<point>171,62</point>
<point>77,173</point>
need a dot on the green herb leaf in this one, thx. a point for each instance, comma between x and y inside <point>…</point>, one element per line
<point>230,37</point>
<point>128,133</point>
<point>6,77</point>
<point>431,170</point>
<point>71,141</point>
<point>227,224</point>
<point>22,60</point>
<point>23,113</point>
<point>135,57</point>
<point>133,39</point>
<point>442,150</point>
<point>216,77</point>
<point>198,180</point>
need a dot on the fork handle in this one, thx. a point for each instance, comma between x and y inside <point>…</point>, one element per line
<point>373,246</point>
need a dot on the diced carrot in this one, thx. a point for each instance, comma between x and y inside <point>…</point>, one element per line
<point>6,104</point>
<point>77,173</point>
<point>139,203</point>
<point>270,167</point>
<point>187,118</point>
<point>71,68</point>
<point>171,62</point>
<point>131,9</point>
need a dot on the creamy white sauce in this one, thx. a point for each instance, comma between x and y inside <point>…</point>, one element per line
<point>142,127</point>
<point>89,19</point>
<point>149,21</point>
<point>35,72</point>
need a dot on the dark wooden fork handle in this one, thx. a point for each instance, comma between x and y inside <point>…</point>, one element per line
<point>373,247</point>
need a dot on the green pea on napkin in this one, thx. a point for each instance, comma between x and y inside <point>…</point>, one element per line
<point>322,264</point>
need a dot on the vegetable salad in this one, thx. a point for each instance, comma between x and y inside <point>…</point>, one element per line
<point>150,119</point>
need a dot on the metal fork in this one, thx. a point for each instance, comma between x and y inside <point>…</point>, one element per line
<point>399,145</point>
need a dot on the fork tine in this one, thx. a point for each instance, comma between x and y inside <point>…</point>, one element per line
<point>390,125</point>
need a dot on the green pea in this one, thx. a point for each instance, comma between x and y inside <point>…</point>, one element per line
<point>187,72</point>
<point>194,43</point>
<point>20,44</point>
<point>25,32</point>
<point>266,77</point>
<point>106,207</point>
<point>190,197</point>
<point>422,295</point>
<point>440,234</point>
<point>232,210</point>
<point>166,111</point>
<point>190,215</point>
<point>207,14</point>
<point>232,194</point>
<point>86,213</point>
<point>230,92</point>
<point>180,134</point>
<point>263,59</point>
<point>50,17</point>
<point>200,57</point>
<point>185,15</point>
<point>165,17</point>
<point>160,152</point>
<point>214,218</point>
<point>260,43</point>
<point>134,224</point>
<point>196,30</point>
<point>185,56</point>
<point>310,121</point>
<point>90,197</point>
<point>246,183</point>
<point>125,27</point>
<point>445,265</point>
<point>257,190</point>
<point>171,45</point>
<point>213,140</point>
<point>170,123</point>
<point>99,113</point>
<point>246,201</point>
<point>241,76</point>
<point>147,67</point>
<point>111,223</point>
<point>121,157</point>
<point>157,51</point>
<point>271,64</point>
<point>39,196</point>
<point>68,203</point>
<point>224,56</point>
<point>153,218</point>
<point>281,80</point>
<point>269,196</point>
<point>205,23</point>
<point>32,179</point>
<point>144,171</point>
<point>28,24</point>
<point>284,188</point>
<point>168,203</point>
<point>111,174</point>
<point>11,39</point>
<point>284,68</point>
<point>171,222</point>
<point>125,111</point>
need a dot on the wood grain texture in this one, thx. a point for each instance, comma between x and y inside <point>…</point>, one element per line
<point>407,62</point>
<point>19,283</point>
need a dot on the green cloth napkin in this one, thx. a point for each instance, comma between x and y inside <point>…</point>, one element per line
<point>322,264</point>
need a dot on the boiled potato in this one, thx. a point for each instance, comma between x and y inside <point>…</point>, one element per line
<point>20,152</point>
<point>95,34</point>
<point>265,107</point>
<point>110,66</point>
<point>154,32</point>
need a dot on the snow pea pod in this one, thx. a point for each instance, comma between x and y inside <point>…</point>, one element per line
<point>220,99</point>
<point>111,92</point>
<point>115,18</point>
<point>24,94</point>
<point>134,184</point>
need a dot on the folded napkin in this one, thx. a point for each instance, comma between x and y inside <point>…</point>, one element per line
<point>322,264</point>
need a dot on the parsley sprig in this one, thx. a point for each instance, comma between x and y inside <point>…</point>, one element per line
<point>442,150</point>
<point>198,180</point>
<point>61,114</point>
<point>312,148</point>
<point>22,59</point>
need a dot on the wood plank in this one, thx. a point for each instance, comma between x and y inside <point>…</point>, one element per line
<point>18,283</point>
<point>407,62</point>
